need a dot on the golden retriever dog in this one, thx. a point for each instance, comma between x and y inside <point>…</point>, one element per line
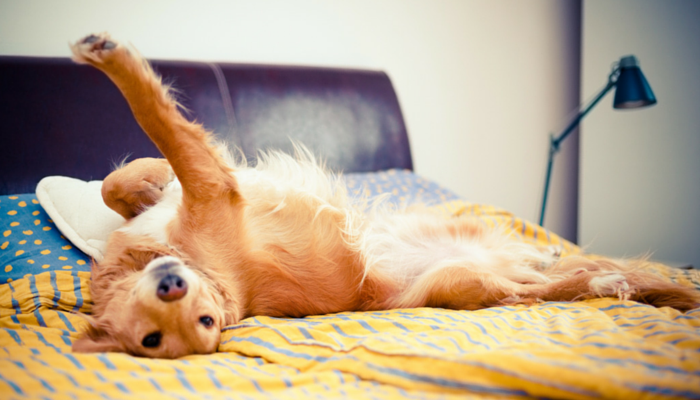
<point>210,241</point>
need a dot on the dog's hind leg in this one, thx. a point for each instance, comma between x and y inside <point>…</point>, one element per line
<point>464,288</point>
<point>204,175</point>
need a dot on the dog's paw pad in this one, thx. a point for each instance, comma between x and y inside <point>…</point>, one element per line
<point>610,285</point>
<point>99,41</point>
<point>90,39</point>
<point>93,48</point>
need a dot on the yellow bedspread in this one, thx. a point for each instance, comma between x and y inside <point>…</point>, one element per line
<point>598,348</point>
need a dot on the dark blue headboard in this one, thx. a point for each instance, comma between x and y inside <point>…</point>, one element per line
<point>59,118</point>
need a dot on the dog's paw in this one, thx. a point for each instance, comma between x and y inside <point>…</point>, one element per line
<point>610,285</point>
<point>552,256</point>
<point>137,186</point>
<point>554,251</point>
<point>93,48</point>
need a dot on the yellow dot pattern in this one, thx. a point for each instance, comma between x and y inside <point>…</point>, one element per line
<point>29,244</point>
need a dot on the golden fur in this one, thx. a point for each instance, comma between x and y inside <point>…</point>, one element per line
<point>284,239</point>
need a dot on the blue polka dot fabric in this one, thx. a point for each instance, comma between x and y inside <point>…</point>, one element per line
<point>30,243</point>
<point>402,186</point>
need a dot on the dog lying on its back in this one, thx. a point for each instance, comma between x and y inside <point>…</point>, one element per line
<point>209,242</point>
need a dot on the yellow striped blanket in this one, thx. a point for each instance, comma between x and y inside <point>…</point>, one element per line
<point>598,348</point>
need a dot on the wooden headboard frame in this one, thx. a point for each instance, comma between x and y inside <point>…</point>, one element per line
<point>59,118</point>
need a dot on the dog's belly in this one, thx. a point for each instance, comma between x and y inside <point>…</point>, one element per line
<point>406,246</point>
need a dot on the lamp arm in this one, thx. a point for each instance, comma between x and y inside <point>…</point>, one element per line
<point>554,142</point>
<point>574,123</point>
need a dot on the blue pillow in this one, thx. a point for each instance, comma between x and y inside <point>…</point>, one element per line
<point>30,243</point>
<point>404,187</point>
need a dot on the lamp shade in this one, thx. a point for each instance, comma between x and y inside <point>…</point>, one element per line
<point>632,89</point>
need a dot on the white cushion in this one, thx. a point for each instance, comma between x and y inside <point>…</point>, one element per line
<point>77,209</point>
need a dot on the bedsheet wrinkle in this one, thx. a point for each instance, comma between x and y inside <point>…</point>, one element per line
<point>598,348</point>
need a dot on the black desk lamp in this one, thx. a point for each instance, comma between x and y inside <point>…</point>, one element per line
<point>633,91</point>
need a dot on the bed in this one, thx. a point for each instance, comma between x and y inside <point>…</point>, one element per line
<point>61,119</point>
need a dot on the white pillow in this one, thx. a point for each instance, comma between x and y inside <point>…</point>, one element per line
<point>77,209</point>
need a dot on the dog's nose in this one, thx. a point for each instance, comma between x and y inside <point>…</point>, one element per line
<point>171,288</point>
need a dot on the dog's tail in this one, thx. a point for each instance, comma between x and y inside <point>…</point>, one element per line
<point>644,286</point>
<point>651,289</point>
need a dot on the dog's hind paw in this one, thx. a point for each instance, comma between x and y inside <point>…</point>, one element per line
<point>93,48</point>
<point>610,285</point>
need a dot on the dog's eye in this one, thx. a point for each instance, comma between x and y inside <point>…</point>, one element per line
<point>206,321</point>
<point>152,340</point>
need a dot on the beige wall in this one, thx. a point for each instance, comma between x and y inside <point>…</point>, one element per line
<point>481,83</point>
<point>640,170</point>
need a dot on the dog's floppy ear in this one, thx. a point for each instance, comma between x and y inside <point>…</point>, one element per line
<point>97,340</point>
<point>105,344</point>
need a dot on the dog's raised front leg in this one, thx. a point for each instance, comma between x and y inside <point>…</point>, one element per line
<point>202,172</point>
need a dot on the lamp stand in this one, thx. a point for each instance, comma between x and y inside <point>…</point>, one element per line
<point>555,142</point>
